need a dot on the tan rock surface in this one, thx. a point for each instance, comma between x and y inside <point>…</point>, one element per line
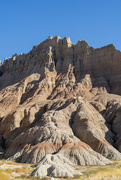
<point>89,126</point>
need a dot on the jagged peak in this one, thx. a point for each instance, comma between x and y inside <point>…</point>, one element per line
<point>56,41</point>
<point>50,37</point>
<point>107,46</point>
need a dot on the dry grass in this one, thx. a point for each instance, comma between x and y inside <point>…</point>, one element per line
<point>112,171</point>
<point>107,173</point>
<point>4,176</point>
<point>89,172</point>
<point>31,178</point>
<point>23,170</point>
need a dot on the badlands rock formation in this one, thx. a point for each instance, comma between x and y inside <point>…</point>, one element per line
<point>60,105</point>
<point>53,165</point>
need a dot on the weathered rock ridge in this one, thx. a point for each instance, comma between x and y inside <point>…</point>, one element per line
<point>61,101</point>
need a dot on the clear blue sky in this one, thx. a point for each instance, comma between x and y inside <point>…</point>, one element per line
<point>25,23</point>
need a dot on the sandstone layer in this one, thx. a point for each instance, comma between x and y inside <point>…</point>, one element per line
<point>61,101</point>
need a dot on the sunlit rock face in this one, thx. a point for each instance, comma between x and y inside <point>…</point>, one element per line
<point>62,99</point>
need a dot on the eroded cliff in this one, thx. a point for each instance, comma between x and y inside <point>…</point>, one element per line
<point>61,99</point>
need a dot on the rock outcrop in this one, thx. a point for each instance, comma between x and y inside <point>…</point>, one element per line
<point>52,133</point>
<point>89,126</point>
<point>61,101</point>
<point>55,166</point>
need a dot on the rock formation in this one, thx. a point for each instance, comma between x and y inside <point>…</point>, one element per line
<point>61,101</point>
<point>55,166</point>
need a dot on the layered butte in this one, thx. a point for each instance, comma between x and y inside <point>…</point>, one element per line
<point>60,103</point>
